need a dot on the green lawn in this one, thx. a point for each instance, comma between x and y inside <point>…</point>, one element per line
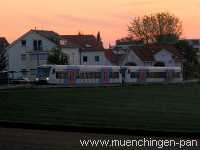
<point>165,108</point>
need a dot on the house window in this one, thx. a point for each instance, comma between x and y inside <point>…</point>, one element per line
<point>85,58</point>
<point>97,58</point>
<point>23,42</point>
<point>23,57</point>
<point>39,56</point>
<point>43,56</point>
<point>34,56</point>
<point>37,45</point>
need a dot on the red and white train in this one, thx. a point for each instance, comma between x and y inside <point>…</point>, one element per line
<point>75,75</point>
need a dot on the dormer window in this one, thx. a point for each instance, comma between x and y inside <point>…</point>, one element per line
<point>23,43</point>
<point>63,42</point>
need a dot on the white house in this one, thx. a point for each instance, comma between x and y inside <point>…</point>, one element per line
<point>83,49</point>
<point>29,51</point>
<point>32,50</point>
<point>165,55</point>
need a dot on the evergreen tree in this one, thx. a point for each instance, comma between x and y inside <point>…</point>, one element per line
<point>57,57</point>
<point>3,60</point>
<point>191,66</point>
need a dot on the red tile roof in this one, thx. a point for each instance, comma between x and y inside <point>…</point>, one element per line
<point>84,42</point>
<point>114,58</point>
<point>147,54</point>
<point>50,35</point>
<point>143,53</point>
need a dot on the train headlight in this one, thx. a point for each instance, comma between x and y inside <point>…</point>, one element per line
<point>37,79</point>
<point>47,79</point>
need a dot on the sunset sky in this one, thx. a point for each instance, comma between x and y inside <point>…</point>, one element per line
<point>111,17</point>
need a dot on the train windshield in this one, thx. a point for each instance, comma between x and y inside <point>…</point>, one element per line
<point>43,72</point>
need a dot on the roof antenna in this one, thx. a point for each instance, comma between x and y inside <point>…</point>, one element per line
<point>35,28</point>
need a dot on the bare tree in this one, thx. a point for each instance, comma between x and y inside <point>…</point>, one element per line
<point>160,27</point>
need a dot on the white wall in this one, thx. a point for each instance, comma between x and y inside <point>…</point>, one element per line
<point>16,50</point>
<point>166,57</point>
<point>132,57</point>
<point>91,58</point>
<point>73,54</point>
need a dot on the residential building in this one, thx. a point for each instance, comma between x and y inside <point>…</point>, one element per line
<point>154,55</point>
<point>32,49</point>
<point>29,51</point>
<point>83,49</point>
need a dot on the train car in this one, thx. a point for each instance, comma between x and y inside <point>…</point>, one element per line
<point>154,74</point>
<point>76,75</point>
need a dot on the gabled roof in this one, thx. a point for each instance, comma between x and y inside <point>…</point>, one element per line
<point>49,35</point>
<point>114,58</point>
<point>84,42</point>
<point>3,43</point>
<point>147,53</point>
<point>143,53</point>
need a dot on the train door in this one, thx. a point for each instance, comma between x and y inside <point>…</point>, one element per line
<point>72,77</point>
<point>142,75</point>
<point>105,76</point>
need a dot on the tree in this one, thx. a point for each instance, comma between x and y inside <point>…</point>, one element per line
<point>160,28</point>
<point>191,66</point>
<point>3,60</point>
<point>57,57</point>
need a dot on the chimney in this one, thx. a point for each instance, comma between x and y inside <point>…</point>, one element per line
<point>98,37</point>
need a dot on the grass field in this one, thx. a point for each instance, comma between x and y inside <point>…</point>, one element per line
<point>154,108</point>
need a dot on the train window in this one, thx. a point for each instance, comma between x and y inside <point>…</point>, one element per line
<point>111,75</point>
<point>65,75</point>
<point>157,75</point>
<point>77,75</point>
<point>134,74</point>
<point>58,75</point>
<point>89,75</point>
<point>62,75</point>
<point>54,71</point>
<point>97,75</point>
<point>114,75</point>
<point>81,75</point>
<point>85,58</point>
<point>86,75</point>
